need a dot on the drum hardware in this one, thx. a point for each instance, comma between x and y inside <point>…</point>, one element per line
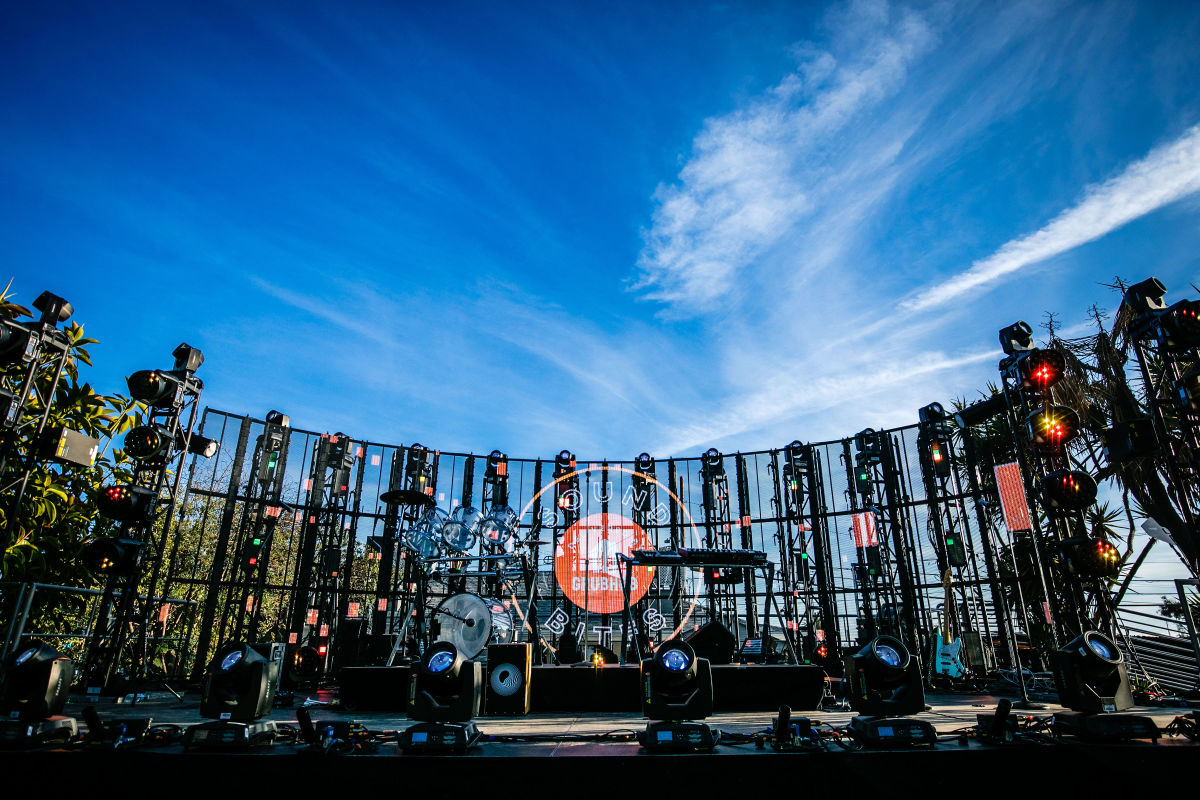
<point>406,497</point>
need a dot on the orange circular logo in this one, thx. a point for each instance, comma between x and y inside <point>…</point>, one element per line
<point>586,565</point>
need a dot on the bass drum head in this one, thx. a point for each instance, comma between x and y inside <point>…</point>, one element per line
<point>471,623</point>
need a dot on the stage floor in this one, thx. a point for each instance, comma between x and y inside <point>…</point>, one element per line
<point>572,747</point>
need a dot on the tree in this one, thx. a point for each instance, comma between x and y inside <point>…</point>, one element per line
<point>45,534</point>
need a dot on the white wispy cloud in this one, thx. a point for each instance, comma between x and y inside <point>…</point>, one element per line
<point>1168,173</point>
<point>750,177</point>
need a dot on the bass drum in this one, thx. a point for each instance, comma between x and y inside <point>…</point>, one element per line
<point>471,623</point>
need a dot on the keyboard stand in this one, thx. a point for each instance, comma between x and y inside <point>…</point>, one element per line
<point>632,625</point>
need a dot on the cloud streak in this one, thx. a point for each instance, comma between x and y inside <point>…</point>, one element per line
<point>1168,173</point>
<point>749,180</point>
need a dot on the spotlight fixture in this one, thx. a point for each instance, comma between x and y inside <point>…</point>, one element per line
<point>934,412</point>
<point>1089,673</point>
<point>1051,427</point>
<point>1016,338</point>
<point>981,411</point>
<point>713,461</point>
<point>187,358</point>
<point>112,556</point>
<point>1040,369</point>
<point>867,446</point>
<point>239,685</point>
<point>1068,490</point>
<point>644,464</point>
<point>1146,296</point>
<point>278,419</point>
<point>864,483</point>
<point>155,387</point>
<point>126,503</point>
<point>885,679</point>
<point>564,463</point>
<point>151,443</point>
<point>17,343</point>
<point>676,691</point>
<point>35,691</point>
<point>55,310</point>
<point>1131,438</point>
<point>203,446</point>
<point>444,697</point>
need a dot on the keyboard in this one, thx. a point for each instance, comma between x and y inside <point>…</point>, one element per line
<point>700,556</point>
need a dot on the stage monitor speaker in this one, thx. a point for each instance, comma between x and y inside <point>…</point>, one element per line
<point>506,688</point>
<point>713,641</point>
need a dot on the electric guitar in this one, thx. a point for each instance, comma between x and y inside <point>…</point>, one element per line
<point>947,654</point>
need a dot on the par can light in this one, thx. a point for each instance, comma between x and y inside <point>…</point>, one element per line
<point>154,387</point>
<point>152,443</point>
<point>125,503</point>
<point>1068,490</point>
<point>1051,427</point>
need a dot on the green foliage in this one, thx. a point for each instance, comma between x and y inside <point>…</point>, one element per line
<point>43,538</point>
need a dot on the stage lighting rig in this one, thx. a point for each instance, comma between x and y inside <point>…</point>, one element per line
<point>239,685</point>
<point>444,697</point>
<point>980,412</point>
<point>885,679</point>
<point>713,463</point>
<point>676,691</point>
<point>495,480</point>
<point>1038,370</point>
<point>238,690</point>
<point>796,467</point>
<point>567,485</point>
<point>1016,338</point>
<point>1093,558</point>
<point>1181,325</point>
<point>126,503</point>
<point>1068,490</point>
<point>1089,673</point>
<point>112,556</point>
<point>36,682</point>
<point>1050,428</point>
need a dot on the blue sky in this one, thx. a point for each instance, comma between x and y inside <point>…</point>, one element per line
<point>603,227</point>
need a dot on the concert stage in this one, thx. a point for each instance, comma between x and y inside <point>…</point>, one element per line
<point>590,751</point>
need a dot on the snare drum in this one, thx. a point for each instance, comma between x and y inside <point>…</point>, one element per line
<point>471,623</point>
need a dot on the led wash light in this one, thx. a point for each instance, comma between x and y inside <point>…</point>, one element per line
<point>1040,369</point>
<point>1068,490</point>
<point>1051,428</point>
<point>125,503</point>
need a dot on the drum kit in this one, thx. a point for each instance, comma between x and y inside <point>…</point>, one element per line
<point>469,620</point>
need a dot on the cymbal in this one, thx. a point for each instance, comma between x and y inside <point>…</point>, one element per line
<point>406,497</point>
